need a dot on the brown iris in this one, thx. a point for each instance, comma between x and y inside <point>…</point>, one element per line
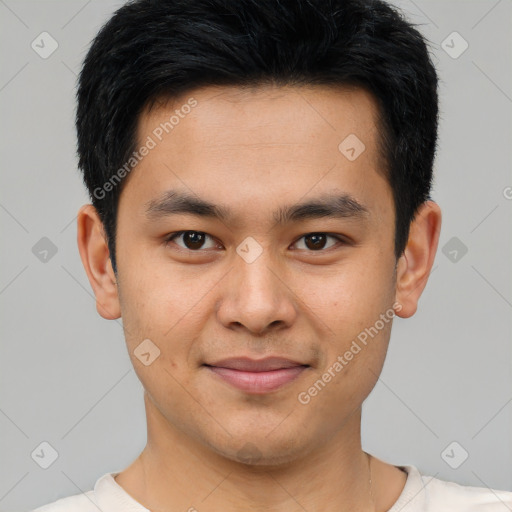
<point>315,241</point>
<point>193,239</point>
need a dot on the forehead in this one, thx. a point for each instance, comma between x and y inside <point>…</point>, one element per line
<point>250,116</point>
<point>232,144</point>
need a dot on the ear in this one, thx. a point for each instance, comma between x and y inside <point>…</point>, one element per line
<point>92,244</point>
<point>415,264</point>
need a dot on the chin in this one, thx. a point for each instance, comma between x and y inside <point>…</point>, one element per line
<point>258,450</point>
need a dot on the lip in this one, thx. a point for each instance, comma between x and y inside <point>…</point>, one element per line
<point>248,364</point>
<point>257,376</point>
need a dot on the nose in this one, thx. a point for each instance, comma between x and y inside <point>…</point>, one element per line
<point>256,297</point>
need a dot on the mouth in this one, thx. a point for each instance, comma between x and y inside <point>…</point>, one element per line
<point>257,376</point>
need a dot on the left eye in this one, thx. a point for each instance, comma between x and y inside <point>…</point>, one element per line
<point>317,241</point>
<point>192,240</point>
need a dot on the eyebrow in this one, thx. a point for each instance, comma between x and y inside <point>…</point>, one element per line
<point>174,202</point>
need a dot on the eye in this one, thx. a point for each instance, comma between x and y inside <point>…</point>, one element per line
<point>191,240</point>
<point>318,241</point>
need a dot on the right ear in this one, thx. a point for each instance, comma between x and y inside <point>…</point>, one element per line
<point>93,247</point>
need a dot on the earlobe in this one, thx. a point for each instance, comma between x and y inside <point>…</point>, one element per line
<point>95,256</point>
<point>415,264</point>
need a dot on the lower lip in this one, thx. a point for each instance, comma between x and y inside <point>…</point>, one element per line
<point>258,382</point>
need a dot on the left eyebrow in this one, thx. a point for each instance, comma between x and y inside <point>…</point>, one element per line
<point>175,202</point>
<point>340,206</point>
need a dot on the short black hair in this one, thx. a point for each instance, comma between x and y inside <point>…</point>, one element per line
<point>153,49</point>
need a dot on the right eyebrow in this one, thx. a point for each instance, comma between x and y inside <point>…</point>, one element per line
<point>173,202</point>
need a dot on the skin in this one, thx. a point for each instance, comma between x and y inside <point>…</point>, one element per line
<point>254,151</point>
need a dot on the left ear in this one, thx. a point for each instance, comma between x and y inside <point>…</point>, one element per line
<point>415,264</point>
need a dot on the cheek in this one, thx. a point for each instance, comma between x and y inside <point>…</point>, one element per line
<point>154,295</point>
<point>156,323</point>
<point>350,295</point>
<point>354,304</point>
<point>152,308</point>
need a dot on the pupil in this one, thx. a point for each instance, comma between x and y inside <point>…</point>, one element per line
<point>318,241</point>
<point>193,239</point>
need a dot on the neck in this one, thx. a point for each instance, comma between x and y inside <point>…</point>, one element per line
<point>177,472</point>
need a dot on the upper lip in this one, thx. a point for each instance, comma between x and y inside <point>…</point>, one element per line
<point>256,365</point>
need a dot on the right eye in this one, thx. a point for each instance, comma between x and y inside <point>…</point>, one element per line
<point>190,240</point>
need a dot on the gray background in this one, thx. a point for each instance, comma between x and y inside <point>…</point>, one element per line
<point>65,375</point>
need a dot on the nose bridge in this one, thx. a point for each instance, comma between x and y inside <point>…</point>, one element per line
<point>257,280</point>
<point>256,297</point>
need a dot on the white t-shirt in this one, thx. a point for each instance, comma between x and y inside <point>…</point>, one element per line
<point>421,494</point>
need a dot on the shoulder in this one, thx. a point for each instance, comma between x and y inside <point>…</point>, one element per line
<point>89,501</point>
<point>467,498</point>
<point>107,495</point>
<point>423,493</point>
<point>78,503</point>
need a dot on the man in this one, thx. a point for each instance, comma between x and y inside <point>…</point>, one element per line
<point>260,176</point>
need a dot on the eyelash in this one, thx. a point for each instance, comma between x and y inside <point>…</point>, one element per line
<point>170,238</point>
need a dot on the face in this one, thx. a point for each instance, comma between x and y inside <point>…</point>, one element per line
<point>292,257</point>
